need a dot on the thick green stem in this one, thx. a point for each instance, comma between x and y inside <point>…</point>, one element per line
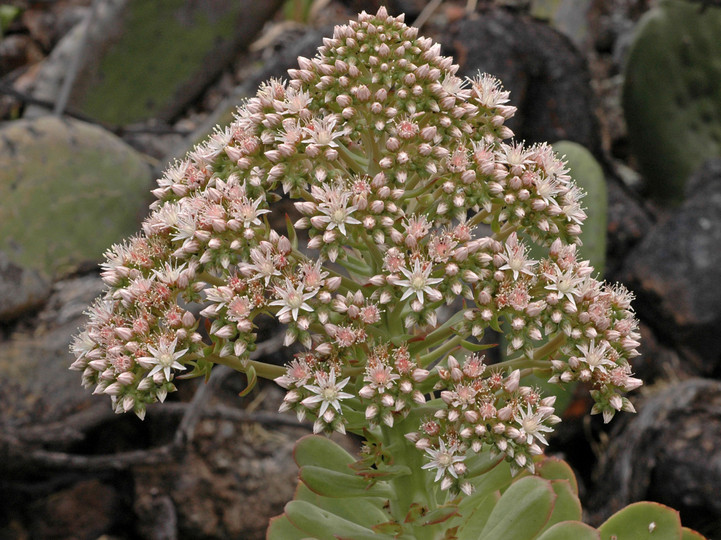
<point>520,363</point>
<point>267,371</point>
<point>549,348</point>
<point>505,232</point>
<point>441,333</point>
<point>441,351</point>
<point>480,217</point>
<point>211,279</point>
<point>357,163</point>
<point>356,266</point>
<point>412,192</point>
<point>376,255</point>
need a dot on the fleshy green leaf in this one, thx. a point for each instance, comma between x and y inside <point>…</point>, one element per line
<point>522,511</point>
<point>292,235</point>
<point>567,506</point>
<point>478,515</point>
<point>690,534</point>
<point>330,483</point>
<point>280,528</point>
<point>556,469</point>
<point>322,452</point>
<point>480,464</point>
<point>570,530</point>
<point>386,472</point>
<point>643,520</point>
<point>439,515</point>
<point>477,507</point>
<point>324,525</point>
<point>366,511</point>
<point>389,527</point>
<point>252,381</point>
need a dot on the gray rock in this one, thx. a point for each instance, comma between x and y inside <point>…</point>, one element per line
<point>570,17</point>
<point>21,289</point>
<point>668,453</point>
<point>35,383</point>
<point>676,270</point>
<point>549,84</point>
<point>68,190</point>
<point>628,223</point>
<point>284,57</point>
<point>85,510</point>
<point>142,60</point>
<point>657,361</point>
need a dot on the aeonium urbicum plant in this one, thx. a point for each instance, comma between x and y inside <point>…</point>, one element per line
<point>412,197</point>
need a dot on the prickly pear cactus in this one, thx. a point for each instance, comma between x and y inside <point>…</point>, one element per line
<point>589,176</point>
<point>672,94</point>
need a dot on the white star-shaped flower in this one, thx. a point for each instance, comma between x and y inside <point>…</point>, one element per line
<point>327,392</point>
<point>419,281</point>
<point>164,358</point>
<point>532,425</point>
<point>443,460</point>
<point>292,299</point>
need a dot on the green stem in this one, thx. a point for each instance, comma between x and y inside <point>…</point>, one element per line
<point>438,335</point>
<point>411,184</point>
<point>451,344</point>
<point>267,371</point>
<point>211,279</point>
<point>481,216</point>
<point>520,363</point>
<point>356,266</point>
<point>410,194</point>
<point>395,319</point>
<point>549,348</point>
<point>376,255</point>
<point>356,163</point>
<point>505,232</point>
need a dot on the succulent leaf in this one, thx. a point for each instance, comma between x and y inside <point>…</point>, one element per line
<point>570,530</point>
<point>643,520</point>
<point>522,511</point>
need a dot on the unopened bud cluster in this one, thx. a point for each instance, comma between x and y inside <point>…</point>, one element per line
<point>409,198</point>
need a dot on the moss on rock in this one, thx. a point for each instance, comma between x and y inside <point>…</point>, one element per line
<point>67,191</point>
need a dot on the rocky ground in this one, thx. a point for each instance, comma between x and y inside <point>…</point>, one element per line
<point>90,115</point>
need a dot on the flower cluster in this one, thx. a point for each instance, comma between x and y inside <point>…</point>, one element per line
<point>483,409</point>
<point>409,196</point>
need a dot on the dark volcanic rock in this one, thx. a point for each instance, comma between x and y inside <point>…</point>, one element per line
<point>84,511</point>
<point>676,271</point>
<point>547,76</point>
<point>658,361</point>
<point>665,454</point>
<point>35,383</point>
<point>21,289</point>
<point>627,224</point>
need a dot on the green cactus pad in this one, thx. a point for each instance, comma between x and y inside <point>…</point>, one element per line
<point>672,94</point>
<point>67,190</point>
<point>587,173</point>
